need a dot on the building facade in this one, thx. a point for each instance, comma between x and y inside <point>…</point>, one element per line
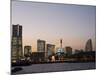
<point>37,57</point>
<point>16,42</point>
<point>40,45</point>
<point>50,49</point>
<point>68,50</point>
<point>27,50</point>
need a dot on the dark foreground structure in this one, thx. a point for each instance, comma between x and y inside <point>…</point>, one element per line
<point>54,67</point>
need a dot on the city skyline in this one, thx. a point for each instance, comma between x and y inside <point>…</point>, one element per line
<point>51,22</point>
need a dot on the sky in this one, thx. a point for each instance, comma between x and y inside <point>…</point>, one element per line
<point>75,24</point>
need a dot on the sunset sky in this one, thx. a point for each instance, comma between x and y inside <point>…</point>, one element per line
<point>75,24</point>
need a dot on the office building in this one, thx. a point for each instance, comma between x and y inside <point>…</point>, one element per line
<point>50,49</point>
<point>38,57</point>
<point>68,50</point>
<point>27,50</point>
<point>40,45</point>
<point>16,42</point>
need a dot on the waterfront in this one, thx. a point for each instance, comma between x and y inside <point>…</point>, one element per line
<point>53,40</point>
<point>55,67</point>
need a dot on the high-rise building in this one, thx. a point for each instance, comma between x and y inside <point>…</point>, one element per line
<point>40,45</point>
<point>16,42</point>
<point>27,50</point>
<point>50,49</point>
<point>41,48</point>
<point>88,46</point>
<point>68,50</point>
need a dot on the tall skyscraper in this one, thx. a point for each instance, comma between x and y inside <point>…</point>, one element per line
<point>50,49</point>
<point>16,42</point>
<point>68,50</point>
<point>27,50</point>
<point>40,45</point>
<point>88,46</point>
